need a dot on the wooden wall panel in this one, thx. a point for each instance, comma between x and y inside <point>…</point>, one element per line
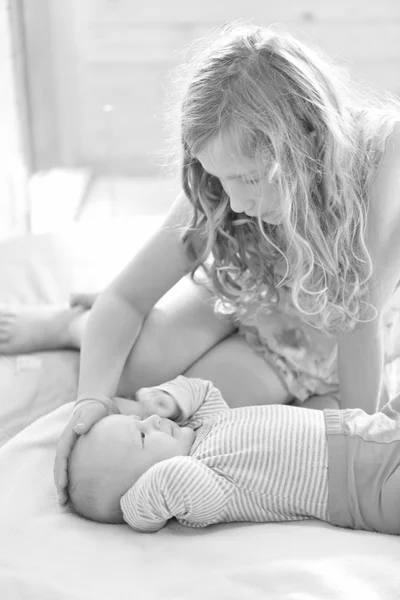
<point>154,43</point>
<point>182,11</point>
<point>118,52</point>
<point>128,137</point>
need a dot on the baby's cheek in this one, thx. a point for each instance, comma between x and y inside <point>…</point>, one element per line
<point>188,436</point>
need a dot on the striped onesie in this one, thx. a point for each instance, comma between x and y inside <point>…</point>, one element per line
<point>255,463</point>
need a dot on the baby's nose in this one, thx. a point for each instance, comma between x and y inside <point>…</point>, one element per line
<point>154,421</point>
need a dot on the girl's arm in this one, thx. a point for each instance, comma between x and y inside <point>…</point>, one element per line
<point>118,314</point>
<point>360,367</point>
<point>115,323</point>
<point>361,352</point>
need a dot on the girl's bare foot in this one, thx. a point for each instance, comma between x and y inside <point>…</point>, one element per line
<point>33,328</point>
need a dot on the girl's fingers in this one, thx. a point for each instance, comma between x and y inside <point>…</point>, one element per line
<point>77,425</point>
<point>62,496</point>
<point>63,451</point>
<point>63,474</point>
<point>88,415</point>
<point>80,428</point>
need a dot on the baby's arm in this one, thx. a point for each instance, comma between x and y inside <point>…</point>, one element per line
<point>178,400</point>
<point>196,398</point>
<point>180,487</point>
<point>151,404</point>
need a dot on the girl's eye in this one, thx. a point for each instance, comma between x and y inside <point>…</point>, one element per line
<point>251,181</point>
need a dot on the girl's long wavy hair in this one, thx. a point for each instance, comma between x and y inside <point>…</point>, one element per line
<point>288,108</point>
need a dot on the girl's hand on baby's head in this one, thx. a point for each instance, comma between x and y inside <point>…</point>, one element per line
<point>81,422</point>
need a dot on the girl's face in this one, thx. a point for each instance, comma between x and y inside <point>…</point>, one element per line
<point>248,191</point>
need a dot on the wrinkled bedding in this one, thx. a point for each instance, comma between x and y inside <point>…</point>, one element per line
<point>49,553</point>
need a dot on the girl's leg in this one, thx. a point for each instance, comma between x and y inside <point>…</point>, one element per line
<point>243,376</point>
<point>182,335</point>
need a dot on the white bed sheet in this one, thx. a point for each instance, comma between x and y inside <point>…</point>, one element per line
<point>50,554</point>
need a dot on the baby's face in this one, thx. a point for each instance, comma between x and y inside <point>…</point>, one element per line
<point>125,447</point>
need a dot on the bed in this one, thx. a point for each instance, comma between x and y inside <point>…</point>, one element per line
<point>48,553</point>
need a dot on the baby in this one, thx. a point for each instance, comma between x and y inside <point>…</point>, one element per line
<point>110,458</point>
<point>184,453</point>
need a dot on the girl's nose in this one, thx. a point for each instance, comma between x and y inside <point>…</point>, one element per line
<point>238,200</point>
<point>236,204</point>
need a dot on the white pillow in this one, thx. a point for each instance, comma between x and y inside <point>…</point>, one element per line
<point>45,269</point>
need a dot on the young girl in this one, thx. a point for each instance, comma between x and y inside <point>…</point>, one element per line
<point>291,184</point>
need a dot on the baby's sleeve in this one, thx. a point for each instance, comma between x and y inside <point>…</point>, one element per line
<point>180,487</point>
<point>212,404</point>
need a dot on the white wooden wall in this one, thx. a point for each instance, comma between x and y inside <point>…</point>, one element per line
<point>116,52</point>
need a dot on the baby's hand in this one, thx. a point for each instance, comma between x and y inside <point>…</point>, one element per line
<point>153,401</point>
